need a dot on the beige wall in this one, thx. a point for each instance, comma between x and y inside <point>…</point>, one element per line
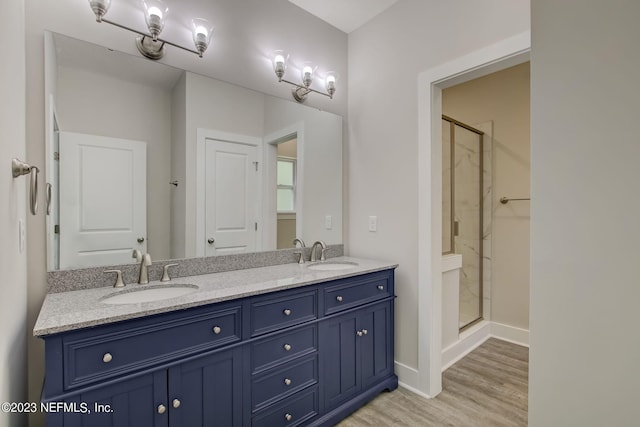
<point>585,148</point>
<point>503,98</point>
<point>13,260</point>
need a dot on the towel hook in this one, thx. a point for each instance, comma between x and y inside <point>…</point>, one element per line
<point>19,168</point>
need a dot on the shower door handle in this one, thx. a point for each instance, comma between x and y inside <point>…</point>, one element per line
<point>456,228</point>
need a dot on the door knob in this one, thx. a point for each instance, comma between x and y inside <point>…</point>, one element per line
<point>211,240</point>
<point>287,312</point>
<point>176,403</point>
<point>359,333</point>
<point>162,409</point>
<point>140,239</point>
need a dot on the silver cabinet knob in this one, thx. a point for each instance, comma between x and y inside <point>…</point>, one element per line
<point>217,330</point>
<point>381,287</point>
<point>287,381</point>
<point>140,239</point>
<point>288,417</point>
<point>339,298</point>
<point>359,333</point>
<point>176,403</point>
<point>365,332</point>
<point>211,241</point>
<point>162,409</point>
<point>287,312</point>
<point>107,358</point>
<point>287,347</point>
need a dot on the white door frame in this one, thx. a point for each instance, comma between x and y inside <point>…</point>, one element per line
<point>201,137</point>
<point>504,54</point>
<point>270,172</point>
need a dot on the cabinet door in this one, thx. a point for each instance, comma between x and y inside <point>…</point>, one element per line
<point>207,391</point>
<point>127,403</point>
<point>376,343</point>
<point>339,359</point>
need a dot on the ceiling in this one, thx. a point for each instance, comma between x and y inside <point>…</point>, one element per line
<point>346,15</point>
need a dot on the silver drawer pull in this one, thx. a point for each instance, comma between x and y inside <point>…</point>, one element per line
<point>176,403</point>
<point>287,312</point>
<point>217,330</point>
<point>287,381</point>
<point>381,287</point>
<point>339,298</point>
<point>288,417</point>
<point>287,347</point>
<point>365,332</point>
<point>359,333</point>
<point>107,358</point>
<point>162,409</point>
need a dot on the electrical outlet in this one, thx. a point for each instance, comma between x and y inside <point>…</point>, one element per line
<point>328,222</point>
<point>373,223</point>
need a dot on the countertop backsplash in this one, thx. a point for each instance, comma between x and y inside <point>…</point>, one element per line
<point>94,277</point>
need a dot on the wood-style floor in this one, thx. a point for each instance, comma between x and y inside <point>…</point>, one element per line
<point>488,388</point>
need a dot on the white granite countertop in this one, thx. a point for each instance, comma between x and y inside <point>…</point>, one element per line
<point>66,311</point>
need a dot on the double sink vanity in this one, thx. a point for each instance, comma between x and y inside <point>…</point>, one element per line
<point>279,345</point>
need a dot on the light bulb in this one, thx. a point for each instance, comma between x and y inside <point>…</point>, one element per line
<point>155,13</point>
<point>280,63</point>
<point>100,8</point>
<point>202,32</point>
<point>307,75</point>
<point>330,83</point>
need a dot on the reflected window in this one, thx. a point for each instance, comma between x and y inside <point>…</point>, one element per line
<point>286,184</point>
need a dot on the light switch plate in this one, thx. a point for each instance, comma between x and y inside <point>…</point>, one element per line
<point>373,223</point>
<point>328,222</point>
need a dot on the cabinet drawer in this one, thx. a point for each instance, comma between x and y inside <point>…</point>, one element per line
<point>268,315</point>
<point>291,412</point>
<point>342,297</point>
<point>272,351</point>
<point>98,356</point>
<point>277,384</point>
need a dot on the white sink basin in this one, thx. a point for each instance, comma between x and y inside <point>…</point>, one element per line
<point>149,294</point>
<point>332,266</point>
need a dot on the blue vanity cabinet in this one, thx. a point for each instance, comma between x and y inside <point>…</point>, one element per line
<point>207,391</point>
<point>306,356</point>
<point>357,352</point>
<point>132,402</point>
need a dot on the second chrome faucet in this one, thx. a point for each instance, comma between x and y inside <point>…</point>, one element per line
<point>145,262</point>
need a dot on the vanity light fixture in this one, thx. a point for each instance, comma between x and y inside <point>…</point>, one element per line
<point>155,12</point>
<point>301,90</point>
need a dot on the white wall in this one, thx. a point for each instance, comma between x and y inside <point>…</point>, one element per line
<point>585,293</point>
<point>503,97</point>
<point>13,261</point>
<point>98,104</point>
<point>319,165</point>
<point>385,58</point>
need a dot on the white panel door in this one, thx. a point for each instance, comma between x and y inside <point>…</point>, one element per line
<point>232,205</point>
<point>103,199</point>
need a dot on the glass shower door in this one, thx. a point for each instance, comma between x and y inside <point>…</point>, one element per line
<point>463,160</point>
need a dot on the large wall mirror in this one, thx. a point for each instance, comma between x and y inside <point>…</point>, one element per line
<point>144,156</point>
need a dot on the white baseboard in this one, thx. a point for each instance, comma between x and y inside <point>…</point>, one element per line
<point>408,378</point>
<point>467,342</point>
<point>510,333</point>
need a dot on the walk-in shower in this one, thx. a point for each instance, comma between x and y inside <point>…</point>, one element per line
<point>462,211</point>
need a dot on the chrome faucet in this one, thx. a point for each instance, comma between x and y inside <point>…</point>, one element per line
<point>314,250</point>
<point>143,278</point>
<point>301,252</point>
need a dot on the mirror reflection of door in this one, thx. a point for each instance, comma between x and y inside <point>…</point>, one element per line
<point>286,192</point>
<point>103,199</point>
<point>232,199</point>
